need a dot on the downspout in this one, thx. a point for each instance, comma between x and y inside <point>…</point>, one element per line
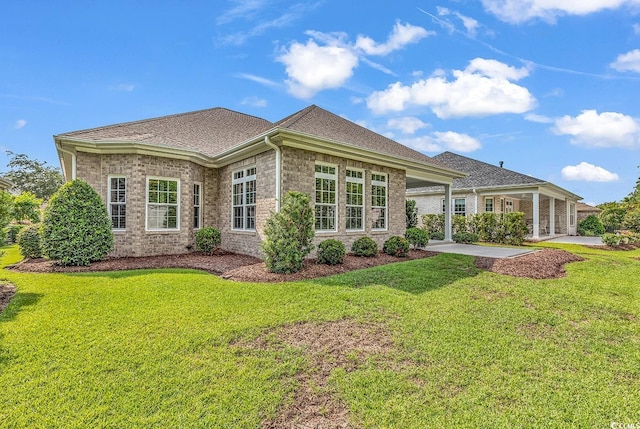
<point>278,169</point>
<point>475,205</point>
<point>73,160</point>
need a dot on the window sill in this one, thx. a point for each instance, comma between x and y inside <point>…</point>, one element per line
<point>244,231</point>
<point>162,231</point>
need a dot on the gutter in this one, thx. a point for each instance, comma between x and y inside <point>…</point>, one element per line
<point>278,174</point>
<point>73,160</point>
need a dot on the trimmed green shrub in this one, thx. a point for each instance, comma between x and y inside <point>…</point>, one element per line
<point>396,246</point>
<point>437,235</point>
<point>458,223</point>
<point>12,233</point>
<point>465,237</point>
<point>364,246</point>
<point>288,234</point>
<point>412,213</point>
<point>29,242</point>
<point>76,229</point>
<point>590,226</point>
<point>623,239</point>
<point>433,223</point>
<point>417,237</point>
<point>515,228</point>
<point>208,239</point>
<point>331,252</point>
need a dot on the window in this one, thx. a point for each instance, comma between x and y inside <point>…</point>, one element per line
<point>501,205</point>
<point>509,206</point>
<point>460,207</point>
<point>197,205</point>
<point>118,202</point>
<point>378,201</point>
<point>488,204</point>
<point>326,191</point>
<point>444,206</point>
<point>163,204</point>
<point>355,200</point>
<point>244,199</point>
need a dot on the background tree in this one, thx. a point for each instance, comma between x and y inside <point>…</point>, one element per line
<point>30,175</point>
<point>26,208</point>
<point>6,201</point>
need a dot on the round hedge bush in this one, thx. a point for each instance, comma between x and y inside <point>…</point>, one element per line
<point>590,226</point>
<point>417,237</point>
<point>465,237</point>
<point>208,239</point>
<point>396,246</point>
<point>28,240</point>
<point>76,228</point>
<point>331,252</point>
<point>364,246</point>
<point>437,235</point>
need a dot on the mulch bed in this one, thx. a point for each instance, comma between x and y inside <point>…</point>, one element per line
<point>542,264</point>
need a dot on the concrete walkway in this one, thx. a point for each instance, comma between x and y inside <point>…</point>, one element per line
<point>476,250</point>
<point>572,239</point>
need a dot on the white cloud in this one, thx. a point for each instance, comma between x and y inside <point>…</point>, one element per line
<point>470,24</point>
<point>312,68</point>
<point>636,29</point>
<point>254,101</point>
<point>257,79</point>
<point>517,11</point>
<point>401,35</point>
<point>483,88</point>
<point>627,62</point>
<point>586,172</point>
<point>126,87</point>
<point>406,124</point>
<point>606,129</point>
<point>440,141</point>
<point>540,119</point>
<point>20,123</point>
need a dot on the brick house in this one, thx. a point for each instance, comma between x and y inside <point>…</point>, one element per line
<point>549,209</point>
<point>5,184</point>
<point>164,178</point>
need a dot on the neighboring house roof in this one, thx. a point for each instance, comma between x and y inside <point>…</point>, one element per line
<point>217,136</point>
<point>5,184</point>
<point>485,176</point>
<point>582,207</point>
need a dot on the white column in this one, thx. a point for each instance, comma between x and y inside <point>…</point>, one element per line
<point>568,218</point>
<point>536,216</point>
<point>552,216</point>
<point>447,213</point>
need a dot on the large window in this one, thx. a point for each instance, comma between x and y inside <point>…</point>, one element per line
<point>118,202</point>
<point>460,207</point>
<point>355,200</point>
<point>379,201</point>
<point>488,204</point>
<point>326,212</point>
<point>163,204</point>
<point>244,199</point>
<point>197,205</point>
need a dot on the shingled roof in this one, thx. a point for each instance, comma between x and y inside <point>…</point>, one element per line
<point>211,132</point>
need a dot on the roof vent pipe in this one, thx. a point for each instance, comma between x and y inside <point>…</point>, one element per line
<point>501,164</point>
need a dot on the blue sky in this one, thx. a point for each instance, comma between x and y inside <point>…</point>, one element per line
<point>551,88</point>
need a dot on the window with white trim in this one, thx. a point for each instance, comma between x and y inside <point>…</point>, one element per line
<point>355,200</point>
<point>244,199</point>
<point>378,201</point>
<point>460,207</point>
<point>488,204</point>
<point>509,206</point>
<point>197,205</point>
<point>326,208</point>
<point>163,204</point>
<point>118,202</point>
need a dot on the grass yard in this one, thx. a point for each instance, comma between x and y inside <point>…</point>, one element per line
<point>167,348</point>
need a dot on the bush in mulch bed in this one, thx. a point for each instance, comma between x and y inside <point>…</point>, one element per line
<point>542,264</point>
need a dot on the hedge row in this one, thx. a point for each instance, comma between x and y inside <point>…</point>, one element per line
<point>501,228</point>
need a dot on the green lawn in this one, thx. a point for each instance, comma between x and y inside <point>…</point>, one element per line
<point>474,349</point>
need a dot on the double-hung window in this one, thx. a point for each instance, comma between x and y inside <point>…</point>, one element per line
<point>355,200</point>
<point>460,207</point>
<point>197,205</point>
<point>488,204</point>
<point>244,199</point>
<point>326,212</point>
<point>379,201</point>
<point>118,202</point>
<point>509,208</point>
<point>163,204</point>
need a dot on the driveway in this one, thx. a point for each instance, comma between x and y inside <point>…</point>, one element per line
<point>476,250</point>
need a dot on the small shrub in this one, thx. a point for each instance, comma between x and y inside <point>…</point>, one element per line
<point>12,233</point>
<point>364,246</point>
<point>590,226</point>
<point>411,213</point>
<point>288,234</point>
<point>417,237</point>
<point>437,235</point>
<point>29,242</point>
<point>208,239</point>
<point>515,228</point>
<point>465,237</point>
<point>76,228</point>
<point>396,246</point>
<point>331,252</point>
<point>433,223</point>
<point>458,223</point>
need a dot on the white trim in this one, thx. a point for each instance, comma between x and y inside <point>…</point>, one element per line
<point>327,176</point>
<point>360,180</point>
<point>454,211</point>
<point>177,205</point>
<point>243,181</point>
<point>199,205</point>
<point>110,203</point>
<point>386,199</point>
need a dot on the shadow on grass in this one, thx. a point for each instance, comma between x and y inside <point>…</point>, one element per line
<point>416,277</point>
<point>16,305</point>
<point>135,273</point>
